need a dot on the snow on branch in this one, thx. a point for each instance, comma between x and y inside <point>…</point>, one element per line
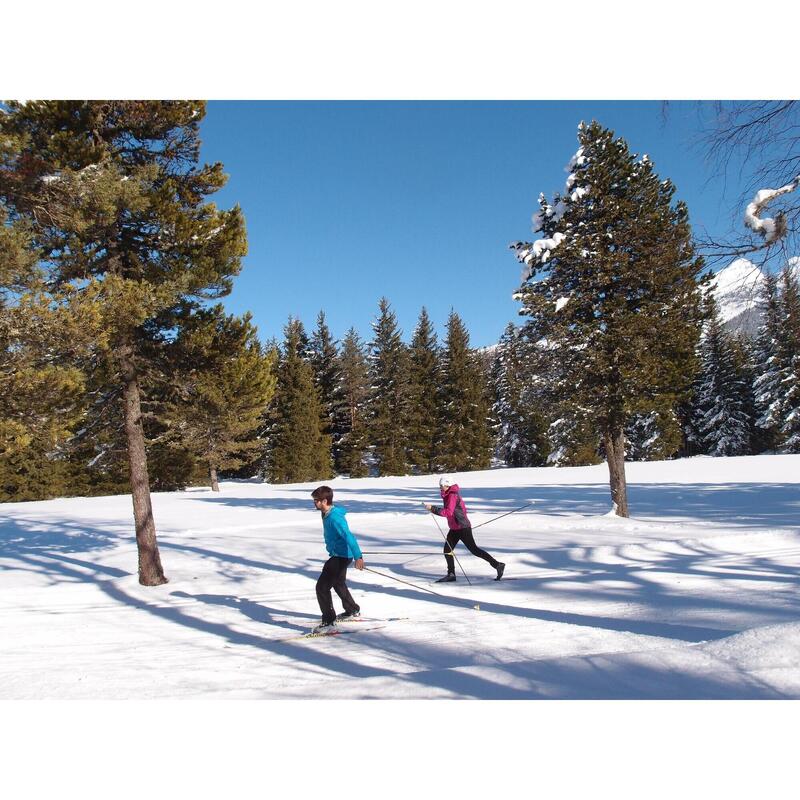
<point>539,251</point>
<point>772,229</point>
<point>578,160</point>
<point>206,236</point>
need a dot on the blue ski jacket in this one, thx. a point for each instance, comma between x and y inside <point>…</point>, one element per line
<point>339,540</point>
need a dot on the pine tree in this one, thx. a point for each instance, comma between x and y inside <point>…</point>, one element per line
<point>743,347</point>
<point>776,384</point>
<point>768,369</point>
<point>388,401</point>
<point>790,358</point>
<point>721,408</point>
<point>117,202</point>
<point>572,437</point>
<point>222,383</point>
<point>521,438</point>
<point>424,419</point>
<point>298,449</point>
<point>653,435</point>
<point>42,392</point>
<point>569,437</point>
<point>325,363</point>
<point>350,424</point>
<point>98,451</point>
<point>619,302</point>
<point>466,439</point>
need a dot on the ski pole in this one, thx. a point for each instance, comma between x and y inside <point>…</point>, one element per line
<point>494,519</point>
<point>396,553</point>
<point>408,583</point>
<point>452,550</point>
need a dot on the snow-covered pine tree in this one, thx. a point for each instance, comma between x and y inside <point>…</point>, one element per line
<point>118,206</point>
<point>790,358</point>
<point>297,448</point>
<point>653,435</point>
<point>722,421</point>
<point>221,383</point>
<point>521,428</point>
<point>618,299</point>
<point>572,437</point>
<point>744,361</point>
<point>424,419</point>
<point>690,445</point>
<point>466,440</point>
<point>388,401</point>
<point>350,449</point>
<point>769,371</point>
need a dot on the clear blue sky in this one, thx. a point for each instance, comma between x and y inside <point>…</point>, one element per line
<point>346,202</point>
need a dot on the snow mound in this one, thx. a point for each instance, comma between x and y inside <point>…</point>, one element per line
<point>770,646</point>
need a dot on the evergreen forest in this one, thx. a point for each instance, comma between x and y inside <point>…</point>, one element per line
<point>122,372</point>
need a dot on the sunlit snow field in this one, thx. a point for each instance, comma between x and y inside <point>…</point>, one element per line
<point>695,596</point>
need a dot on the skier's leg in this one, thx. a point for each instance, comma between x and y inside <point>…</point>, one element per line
<point>469,543</point>
<point>324,583</point>
<point>452,541</point>
<point>340,587</point>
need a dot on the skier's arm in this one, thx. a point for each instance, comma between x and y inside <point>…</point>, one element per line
<point>352,546</point>
<point>449,509</point>
<point>343,529</point>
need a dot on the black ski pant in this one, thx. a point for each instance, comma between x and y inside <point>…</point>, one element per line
<point>464,535</point>
<point>334,576</point>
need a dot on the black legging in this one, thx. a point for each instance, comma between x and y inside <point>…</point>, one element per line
<point>334,575</point>
<point>464,535</point>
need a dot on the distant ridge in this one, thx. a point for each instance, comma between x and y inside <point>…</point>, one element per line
<point>737,288</point>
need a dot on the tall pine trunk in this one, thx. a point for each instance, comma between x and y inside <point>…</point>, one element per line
<point>151,572</point>
<point>614,441</point>
<point>212,474</point>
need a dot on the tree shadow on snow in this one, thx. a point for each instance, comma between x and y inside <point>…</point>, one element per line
<point>639,575</point>
<point>626,676</point>
<point>774,505</point>
<point>52,550</point>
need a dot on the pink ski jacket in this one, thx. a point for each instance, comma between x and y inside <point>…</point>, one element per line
<point>454,508</point>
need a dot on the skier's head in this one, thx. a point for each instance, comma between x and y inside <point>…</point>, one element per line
<point>322,497</point>
<point>445,482</point>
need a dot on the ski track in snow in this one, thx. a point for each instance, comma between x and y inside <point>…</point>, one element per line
<point>696,596</point>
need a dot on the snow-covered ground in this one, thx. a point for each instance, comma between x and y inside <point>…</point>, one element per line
<point>695,596</point>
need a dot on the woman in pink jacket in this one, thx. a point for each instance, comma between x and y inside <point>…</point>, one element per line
<point>460,529</point>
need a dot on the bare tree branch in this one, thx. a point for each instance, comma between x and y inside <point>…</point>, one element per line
<point>760,140</point>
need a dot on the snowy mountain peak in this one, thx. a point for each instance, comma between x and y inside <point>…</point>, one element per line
<point>736,288</point>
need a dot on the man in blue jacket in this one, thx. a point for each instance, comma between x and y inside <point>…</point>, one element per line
<point>342,548</point>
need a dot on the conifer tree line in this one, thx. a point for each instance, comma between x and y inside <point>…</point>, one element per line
<point>740,394</point>
<point>121,372</point>
<point>377,407</point>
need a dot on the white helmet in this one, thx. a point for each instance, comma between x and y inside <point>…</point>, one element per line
<point>445,480</point>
